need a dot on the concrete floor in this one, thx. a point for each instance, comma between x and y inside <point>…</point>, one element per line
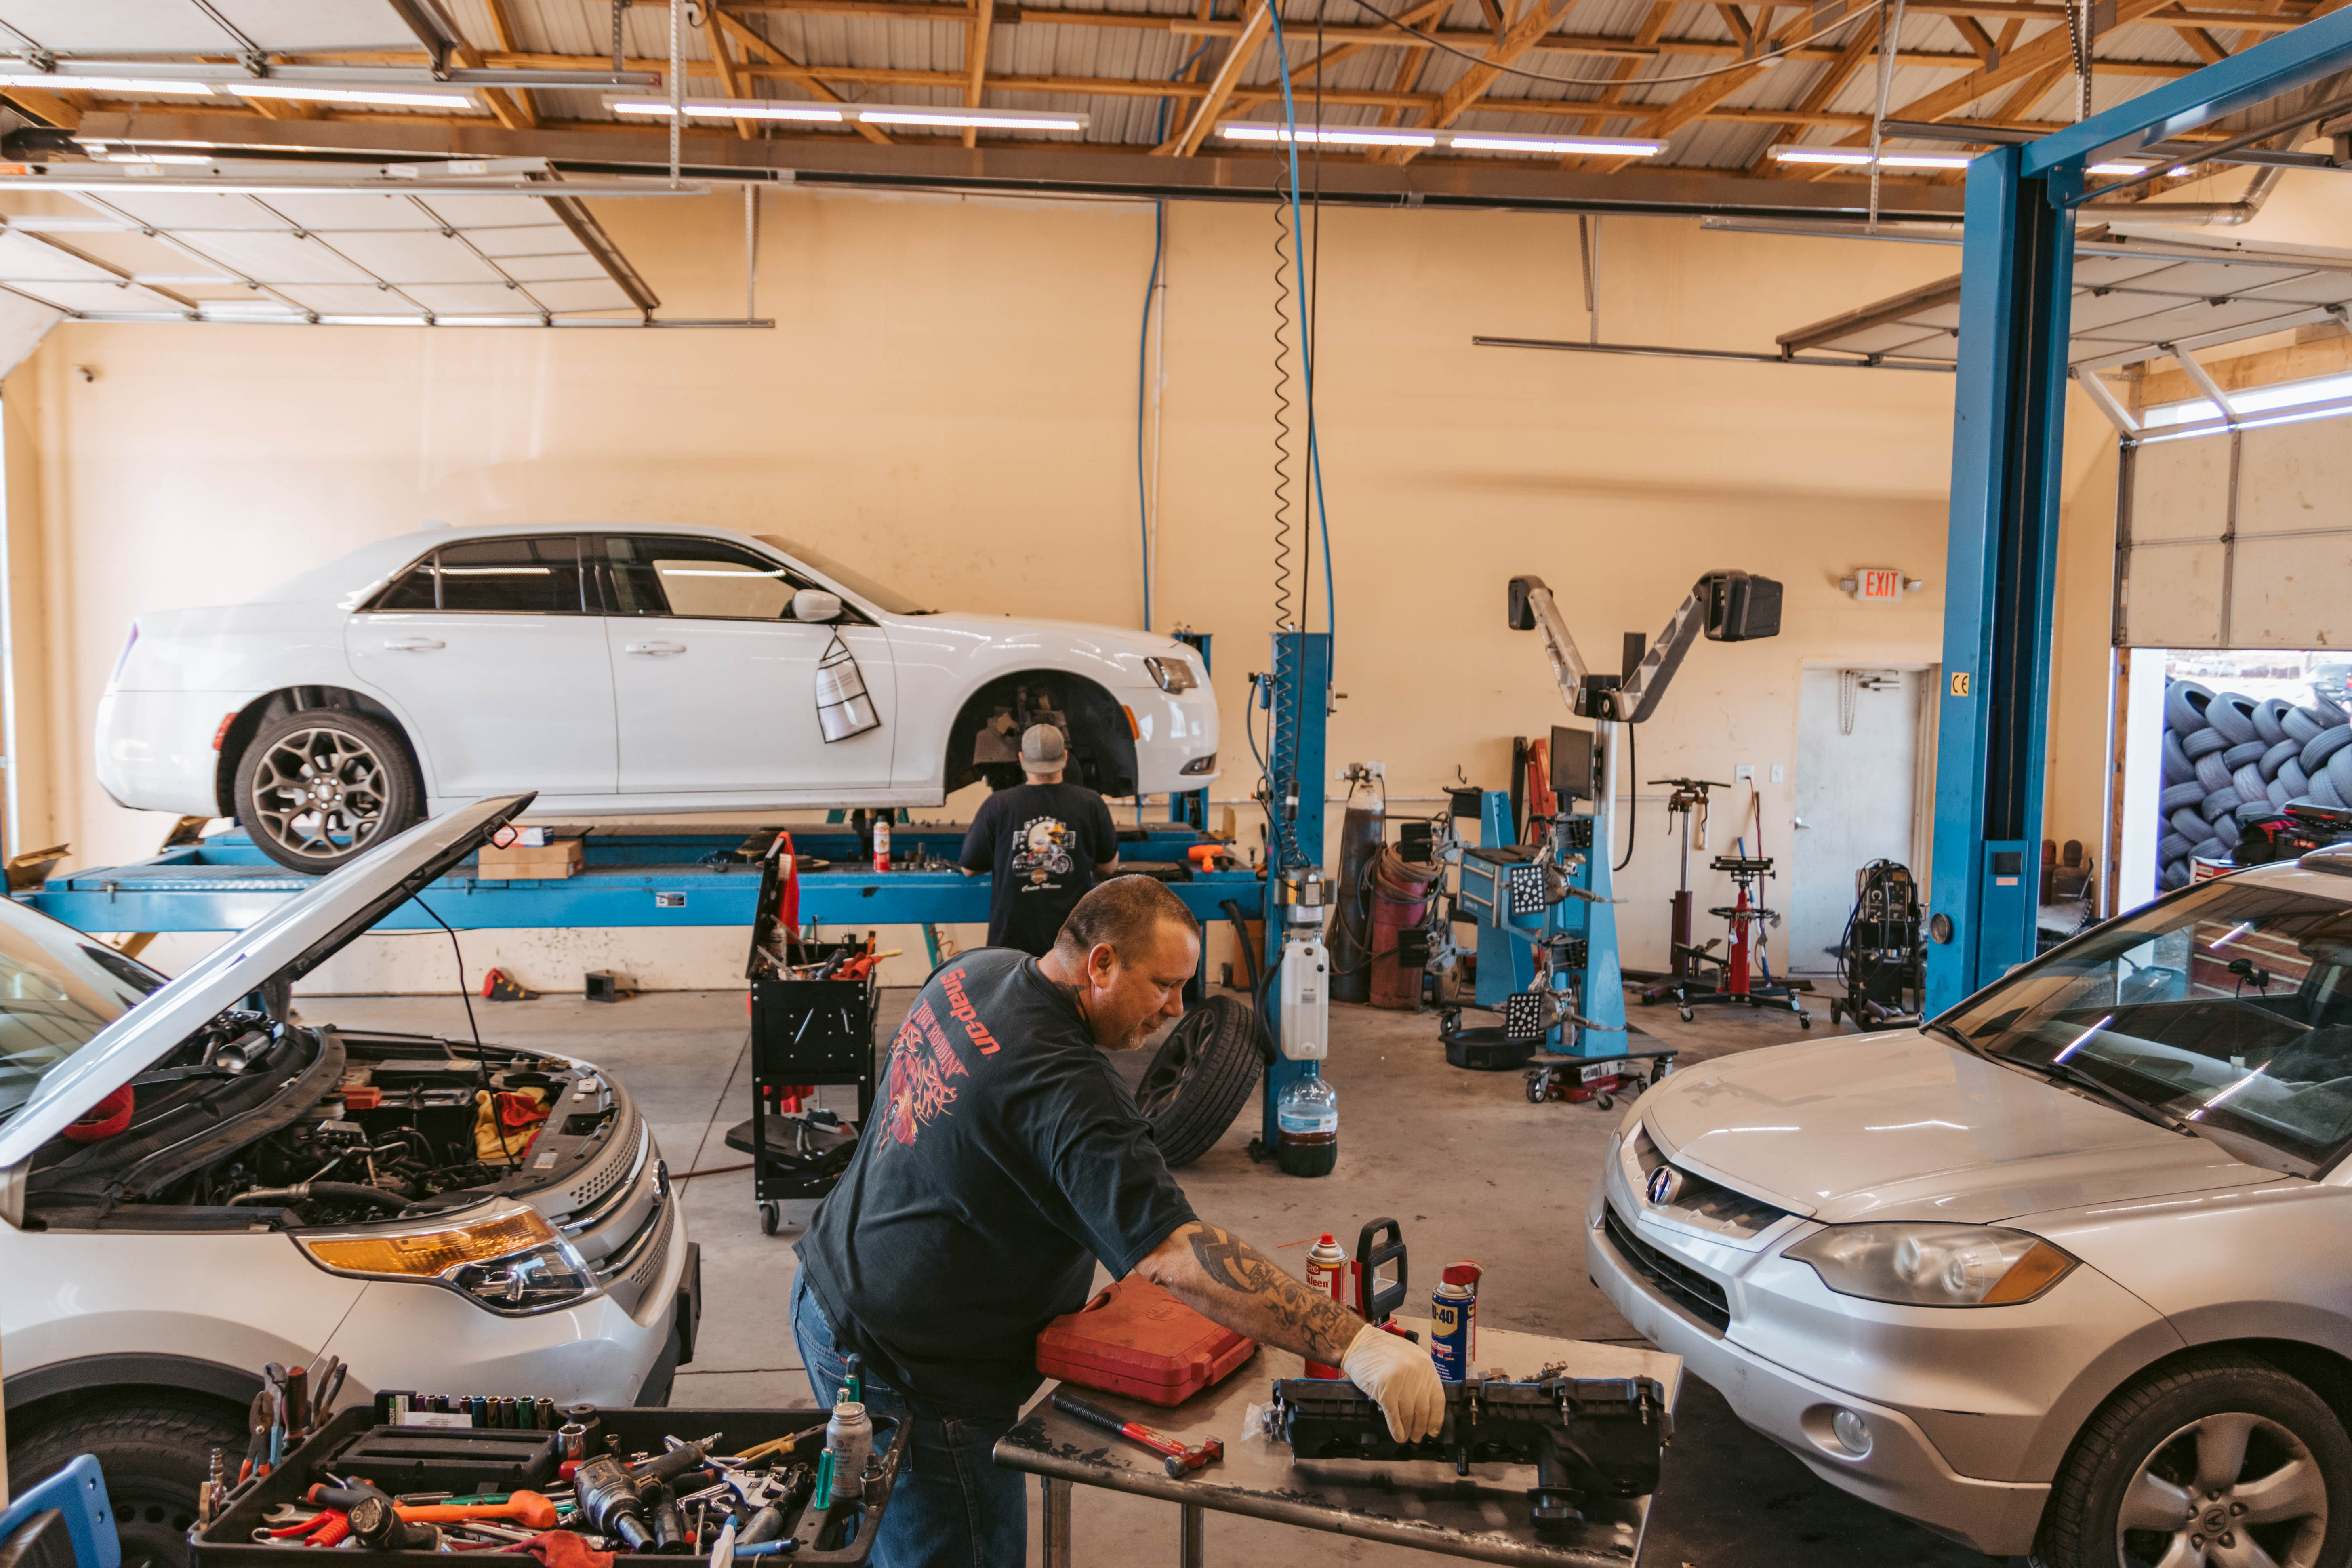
<point>1461,1158</point>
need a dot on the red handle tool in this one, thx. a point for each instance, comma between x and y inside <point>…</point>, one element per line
<point>1179,1456</point>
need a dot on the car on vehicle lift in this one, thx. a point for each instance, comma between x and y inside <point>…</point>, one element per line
<point>271,1189</point>
<point>2068,1269</point>
<point>615,669</point>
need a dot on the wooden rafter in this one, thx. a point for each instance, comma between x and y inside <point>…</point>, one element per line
<point>1737,20</point>
<point>975,55</point>
<point>777,59</point>
<point>1649,32</point>
<point>2209,48</point>
<point>1858,49</point>
<point>729,77</point>
<point>502,29</point>
<point>1532,23</point>
<point>47,107</point>
<point>1428,11</point>
<point>1972,31</point>
<point>1702,96</point>
<point>1186,142</point>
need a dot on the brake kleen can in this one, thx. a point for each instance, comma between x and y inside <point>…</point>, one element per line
<point>1327,1274</point>
<point>1454,1322</point>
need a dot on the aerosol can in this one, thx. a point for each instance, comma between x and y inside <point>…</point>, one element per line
<point>1454,1322</point>
<point>882,842</point>
<point>849,1438</point>
<point>1327,1274</point>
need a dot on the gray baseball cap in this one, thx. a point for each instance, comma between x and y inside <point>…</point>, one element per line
<point>1042,751</point>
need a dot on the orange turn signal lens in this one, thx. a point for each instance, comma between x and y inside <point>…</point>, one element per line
<point>432,1253</point>
<point>2041,1266</point>
<point>1134,730</point>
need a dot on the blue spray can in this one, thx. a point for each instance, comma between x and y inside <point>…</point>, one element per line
<point>1454,1322</point>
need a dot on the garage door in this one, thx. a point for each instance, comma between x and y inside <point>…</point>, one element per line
<point>2237,538</point>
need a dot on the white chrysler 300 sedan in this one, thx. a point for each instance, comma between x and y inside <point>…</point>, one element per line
<point>2069,1270</point>
<point>618,669</point>
<point>195,1181</point>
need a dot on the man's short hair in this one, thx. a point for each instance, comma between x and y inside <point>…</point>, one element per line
<point>1123,911</point>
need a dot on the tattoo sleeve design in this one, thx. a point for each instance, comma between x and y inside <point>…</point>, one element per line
<point>1322,1325</point>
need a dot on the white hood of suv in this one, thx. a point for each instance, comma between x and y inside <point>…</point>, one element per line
<point>1907,1127</point>
<point>290,940</point>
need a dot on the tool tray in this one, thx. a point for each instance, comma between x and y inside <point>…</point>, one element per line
<point>817,1032</point>
<point>1608,1434</point>
<point>227,1541</point>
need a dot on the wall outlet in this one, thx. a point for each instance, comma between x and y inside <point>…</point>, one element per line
<point>1780,774</point>
<point>1744,773</point>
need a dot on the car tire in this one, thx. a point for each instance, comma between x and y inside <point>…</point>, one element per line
<point>1199,1078</point>
<point>155,1454</point>
<point>367,785</point>
<point>2210,1434</point>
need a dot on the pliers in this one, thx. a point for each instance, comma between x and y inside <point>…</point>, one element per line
<point>285,1521</point>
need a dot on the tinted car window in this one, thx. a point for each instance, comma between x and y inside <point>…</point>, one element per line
<point>512,576</point>
<point>703,579</point>
<point>414,589</point>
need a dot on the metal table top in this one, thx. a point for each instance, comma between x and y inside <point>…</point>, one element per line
<point>1417,1504</point>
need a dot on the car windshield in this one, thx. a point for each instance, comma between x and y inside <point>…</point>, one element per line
<point>881,597</point>
<point>2227,1007</point>
<point>57,989</point>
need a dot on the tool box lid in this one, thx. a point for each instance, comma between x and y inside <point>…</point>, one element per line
<point>1136,1338</point>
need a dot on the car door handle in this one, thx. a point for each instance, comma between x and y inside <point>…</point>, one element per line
<point>414,645</point>
<point>654,650</point>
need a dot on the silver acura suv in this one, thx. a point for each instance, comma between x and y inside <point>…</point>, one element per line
<point>2066,1271</point>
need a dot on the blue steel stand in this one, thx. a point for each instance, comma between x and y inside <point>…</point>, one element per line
<point>1509,933</point>
<point>1298,701</point>
<point>2008,437</point>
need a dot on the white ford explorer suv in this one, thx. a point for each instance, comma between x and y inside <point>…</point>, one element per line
<point>282,1191</point>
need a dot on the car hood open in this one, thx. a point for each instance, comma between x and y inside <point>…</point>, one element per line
<point>1908,1127</point>
<point>289,942</point>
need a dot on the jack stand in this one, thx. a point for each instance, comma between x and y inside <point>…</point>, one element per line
<point>1732,984</point>
<point>1690,795</point>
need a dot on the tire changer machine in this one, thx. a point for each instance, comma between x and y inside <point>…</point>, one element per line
<point>1542,908</point>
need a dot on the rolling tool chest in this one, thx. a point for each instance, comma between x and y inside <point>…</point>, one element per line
<point>811,1027</point>
<point>839,1532</point>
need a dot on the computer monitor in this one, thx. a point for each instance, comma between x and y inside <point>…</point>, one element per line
<point>1571,761</point>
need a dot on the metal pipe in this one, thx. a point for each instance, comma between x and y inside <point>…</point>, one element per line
<point>2220,215</point>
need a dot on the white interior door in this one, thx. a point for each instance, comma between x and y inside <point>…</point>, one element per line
<point>1857,758</point>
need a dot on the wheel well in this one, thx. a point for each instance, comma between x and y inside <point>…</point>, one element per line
<point>1101,739</point>
<point>34,1397</point>
<point>249,721</point>
<point>2324,1371</point>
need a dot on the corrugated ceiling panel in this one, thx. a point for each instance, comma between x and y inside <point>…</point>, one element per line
<point>92,296</point>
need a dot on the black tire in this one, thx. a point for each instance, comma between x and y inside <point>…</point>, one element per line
<point>1605,1101</point>
<point>1199,1080</point>
<point>2153,1428</point>
<point>154,1452</point>
<point>366,781</point>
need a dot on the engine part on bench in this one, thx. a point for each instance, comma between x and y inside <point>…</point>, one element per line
<point>1584,1435</point>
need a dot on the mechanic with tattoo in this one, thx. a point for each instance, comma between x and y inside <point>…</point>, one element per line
<point>1004,1158</point>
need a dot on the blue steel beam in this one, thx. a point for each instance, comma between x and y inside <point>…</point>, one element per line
<point>1295,741</point>
<point>2319,48</point>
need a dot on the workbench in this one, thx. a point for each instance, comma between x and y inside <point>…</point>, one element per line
<point>632,878</point>
<point>1418,1504</point>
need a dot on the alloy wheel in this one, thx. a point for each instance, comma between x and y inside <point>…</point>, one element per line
<point>320,792</point>
<point>2234,1489</point>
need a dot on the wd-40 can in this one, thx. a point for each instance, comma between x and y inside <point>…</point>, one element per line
<point>1454,1322</point>
<point>1327,1274</point>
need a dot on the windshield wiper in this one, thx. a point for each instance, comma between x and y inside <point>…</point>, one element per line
<point>2067,1072</point>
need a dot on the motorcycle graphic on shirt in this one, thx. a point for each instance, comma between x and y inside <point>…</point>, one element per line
<point>1044,852</point>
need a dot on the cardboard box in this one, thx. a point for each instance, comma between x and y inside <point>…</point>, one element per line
<point>544,862</point>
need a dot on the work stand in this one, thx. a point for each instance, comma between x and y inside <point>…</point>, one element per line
<point>1689,798</point>
<point>1732,984</point>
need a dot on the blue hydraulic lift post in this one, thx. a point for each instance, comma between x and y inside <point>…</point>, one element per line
<point>2008,441</point>
<point>1295,763</point>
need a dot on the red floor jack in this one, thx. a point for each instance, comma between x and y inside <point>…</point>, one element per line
<point>1600,1081</point>
<point>1732,984</point>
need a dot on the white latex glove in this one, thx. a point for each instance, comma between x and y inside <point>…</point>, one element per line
<point>1400,1375</point>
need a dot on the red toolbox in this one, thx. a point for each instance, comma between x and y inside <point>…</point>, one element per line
<point>1136,1338</point>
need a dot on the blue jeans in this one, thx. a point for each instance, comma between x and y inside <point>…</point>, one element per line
<point>953,1508</point>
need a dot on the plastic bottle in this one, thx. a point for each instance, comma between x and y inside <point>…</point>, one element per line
<point>1307,1121</point>
<point>849,1438</point>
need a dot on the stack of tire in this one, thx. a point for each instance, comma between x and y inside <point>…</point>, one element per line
<point>2229,758</point>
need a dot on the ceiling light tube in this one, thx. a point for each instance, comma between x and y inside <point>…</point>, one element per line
<point>374,96</point>
<point>698,110</point>
<point>141,87</point>
<point>1461,141</point>
<point>871,114</point>
<point>1858,157</point>
<point>976,119</point>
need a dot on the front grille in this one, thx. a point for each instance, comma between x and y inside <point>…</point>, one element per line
<point>1703,1203</point>
<point>1683,1286</point>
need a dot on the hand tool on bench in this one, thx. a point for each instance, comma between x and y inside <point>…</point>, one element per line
<point>528,1508</point>
<point>1178,1457</point>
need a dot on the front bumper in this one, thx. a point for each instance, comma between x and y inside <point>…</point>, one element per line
<point>1172,730</point>
<point>1903,1472</point>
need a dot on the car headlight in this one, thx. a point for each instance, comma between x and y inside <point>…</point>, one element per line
<point>1932,1265</point>
<point>511,1262</point>
<point>1174,675</point>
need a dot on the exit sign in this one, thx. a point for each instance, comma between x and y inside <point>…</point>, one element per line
<point>1877,585</point>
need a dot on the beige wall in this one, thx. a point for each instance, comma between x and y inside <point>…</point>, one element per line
<point>948,397</point>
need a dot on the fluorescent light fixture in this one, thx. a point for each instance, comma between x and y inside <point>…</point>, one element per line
<point>349,95</point>
<point>156,158</point>
<point>1461,141</point>
<point>2114,169</point>
<point>846,113</point>
<point>1856,155</point>
<point>138,87</point>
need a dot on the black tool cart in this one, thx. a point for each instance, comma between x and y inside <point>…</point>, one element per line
<point>809,1027</point>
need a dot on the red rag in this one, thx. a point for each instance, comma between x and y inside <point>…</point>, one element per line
<point>562,1549</point>
<point>107,1118</point>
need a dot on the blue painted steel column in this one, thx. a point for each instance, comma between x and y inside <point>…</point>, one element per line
<point>2016,273</point>
<point>1300,703</point>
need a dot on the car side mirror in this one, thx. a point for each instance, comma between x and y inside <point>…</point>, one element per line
<point>816,605</point>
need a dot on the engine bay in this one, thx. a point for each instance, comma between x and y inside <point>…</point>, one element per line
<point>262,1122</point>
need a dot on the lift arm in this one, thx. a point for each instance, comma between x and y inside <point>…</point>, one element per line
<point>1729,606</point>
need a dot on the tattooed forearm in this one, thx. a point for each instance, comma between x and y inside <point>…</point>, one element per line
<point>1233,1283</point>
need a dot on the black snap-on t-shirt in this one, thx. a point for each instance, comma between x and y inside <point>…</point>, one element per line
<point>1040,844</point>
<point>1005,1155</point>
